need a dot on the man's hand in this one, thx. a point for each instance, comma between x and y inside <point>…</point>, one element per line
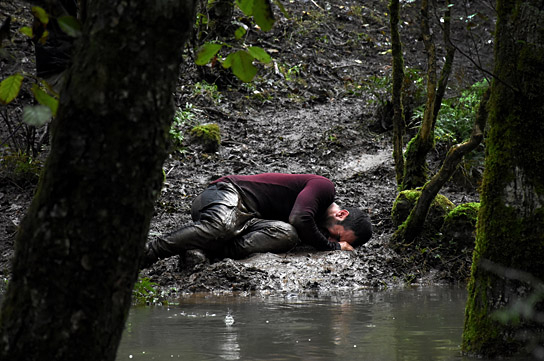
<point>345,246</point>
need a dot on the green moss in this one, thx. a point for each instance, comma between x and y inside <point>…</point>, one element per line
<point>410,196</point>
<point>478,325</point>
<point>427,250</point>
<point>406,200</point>
<point>209,135</point>
<point>510,230</point>
<point>443,202</point>
<point>457,240</point>
<point>465,211</point>
<point>20,167</point>
<point>415,167</point>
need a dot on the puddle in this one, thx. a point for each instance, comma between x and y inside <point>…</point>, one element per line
<point>401,325</point>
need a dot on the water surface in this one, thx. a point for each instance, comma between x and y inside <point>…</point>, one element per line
<point>392,325</point>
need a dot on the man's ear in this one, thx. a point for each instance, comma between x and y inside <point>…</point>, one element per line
<point>343,213</point>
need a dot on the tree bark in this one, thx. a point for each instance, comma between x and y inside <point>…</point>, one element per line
<point>399,126</point>
<point>78,247</point>
<point>510,233</point>
<point>415,164</point>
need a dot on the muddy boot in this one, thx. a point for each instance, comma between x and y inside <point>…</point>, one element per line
<point>192,258</point>
<point>149,256</point>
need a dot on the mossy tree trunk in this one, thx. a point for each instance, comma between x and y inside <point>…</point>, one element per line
<point>78,247</point>
<point>415,221</point>
<point>510,233</point>
<point>415,163</point>
<point>399,126</point>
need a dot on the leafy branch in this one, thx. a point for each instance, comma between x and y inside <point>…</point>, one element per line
<point>240,61</point>
<point>38,115</point>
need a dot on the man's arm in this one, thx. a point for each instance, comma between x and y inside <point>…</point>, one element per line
<point>311,204</point>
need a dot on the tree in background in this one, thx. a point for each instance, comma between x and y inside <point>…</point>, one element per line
<point>508,263</point>
<point>411,167</point>
<point>399,125</point>
<point>415,165</point>
<point>78,247</point>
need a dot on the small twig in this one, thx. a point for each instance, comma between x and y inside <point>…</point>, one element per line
<point>477,64</point>
<point>12,133</point>
<point>319,7</point>
<point>171,169</point>
<point>348,66</point>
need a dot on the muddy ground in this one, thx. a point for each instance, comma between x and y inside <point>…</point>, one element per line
<point>315,109</point>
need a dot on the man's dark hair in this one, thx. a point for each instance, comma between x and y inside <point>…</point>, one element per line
<point>359,222</point>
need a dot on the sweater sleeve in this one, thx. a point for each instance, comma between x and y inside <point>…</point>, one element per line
<point>310,205</point>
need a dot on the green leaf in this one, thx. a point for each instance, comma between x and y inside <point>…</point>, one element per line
<point>207,52</point>
<point>45,99</point>
<point>246,6</point>
<point>242,66</point>
<point>263,15</point>
<point>227,63</point>
<point>36,115</point>
<point>44,37</point>
<point>239,33</point>
<point>25,30</point>
<point>70,25</point>
<point>282,9</point>
<point>40,14</point>
<point>260,54</point>
<point>9,88</point>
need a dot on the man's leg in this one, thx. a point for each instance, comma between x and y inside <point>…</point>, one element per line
<point>218,215</point>
<point>262,236</point>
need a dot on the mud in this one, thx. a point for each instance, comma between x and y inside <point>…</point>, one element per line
<point>323,118</point>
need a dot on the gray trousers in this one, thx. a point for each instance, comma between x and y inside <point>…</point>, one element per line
<point>224,226</point>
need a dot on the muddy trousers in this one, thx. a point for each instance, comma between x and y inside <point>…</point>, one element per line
<point>224,227</point>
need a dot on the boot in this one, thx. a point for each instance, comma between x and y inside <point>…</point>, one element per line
<point>191,258</point>
<point>149,256</point>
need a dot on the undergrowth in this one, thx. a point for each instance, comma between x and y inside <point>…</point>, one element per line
<point>20,167</point>
<point>145,293</point>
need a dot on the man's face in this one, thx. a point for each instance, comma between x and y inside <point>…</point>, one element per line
<point>337,233</point>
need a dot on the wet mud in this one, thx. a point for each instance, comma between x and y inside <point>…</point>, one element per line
<point>315,109</point>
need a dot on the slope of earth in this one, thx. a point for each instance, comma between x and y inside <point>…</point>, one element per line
<point>314,109</point>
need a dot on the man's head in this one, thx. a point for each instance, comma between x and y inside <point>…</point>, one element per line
<point>349,225</point>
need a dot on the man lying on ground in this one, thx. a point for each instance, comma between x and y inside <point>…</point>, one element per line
<point>238,215</point>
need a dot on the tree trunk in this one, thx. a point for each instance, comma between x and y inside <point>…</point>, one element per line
<point>399,125</point>
<point>78,247</point>
<point>414,224</point>
<point>510,234</point>
<point>415,164</point>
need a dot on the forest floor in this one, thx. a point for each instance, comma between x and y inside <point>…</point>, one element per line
<point>317,108</point>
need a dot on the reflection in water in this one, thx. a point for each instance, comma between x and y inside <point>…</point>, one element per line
<point>396,325</point>
<point>230,347</point>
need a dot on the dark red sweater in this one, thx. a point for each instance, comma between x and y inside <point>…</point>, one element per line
<point>300,199</point>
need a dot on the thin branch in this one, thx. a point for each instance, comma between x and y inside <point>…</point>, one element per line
<point>477,64</point>
<point>448,65</point>
<point>11,131</point>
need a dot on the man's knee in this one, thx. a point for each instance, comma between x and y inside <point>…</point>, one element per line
<point>262,236</point>
<point>279,236</point>
<point>285,231</point>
